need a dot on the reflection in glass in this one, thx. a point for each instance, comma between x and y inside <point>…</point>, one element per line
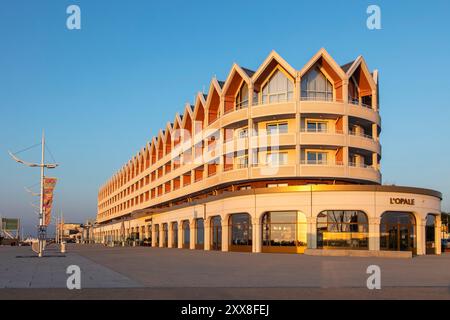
<point>186,234</point>
<point>174,235</point>
<point>397,231</point>
<point>241,229</point>
<point>342,229</point>
<point>216,233</point>
<point>200,235</point>
<point>283,229</point>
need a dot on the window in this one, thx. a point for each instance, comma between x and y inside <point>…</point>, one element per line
<point>353,95</point>
<point>243,133</point>
<point>342,229</point>
<point>200,235</point>
<point>242,162</point>
<point>241,230</point>
<point>315,86</point>
<point>398,231</point>
<point>284,231</point>
<point>244,188</point>
<point>276,128</point>
<point>278,89</point>
<point>277,159</point>
<point>316,157</point>
<point>242,97</point>
<point>174,235</point>
<point>316,126</point>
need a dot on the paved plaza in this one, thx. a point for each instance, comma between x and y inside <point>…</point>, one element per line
<point>159,273</point>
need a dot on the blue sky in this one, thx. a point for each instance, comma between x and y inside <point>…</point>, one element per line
<point>103,91</point>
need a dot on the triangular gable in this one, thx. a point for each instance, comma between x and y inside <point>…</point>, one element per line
<point>360,62</point>
<point>270,63</point>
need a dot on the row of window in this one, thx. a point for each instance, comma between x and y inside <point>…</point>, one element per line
<point>271,128</point>
<point>285,230</point>
<point>273,159</point>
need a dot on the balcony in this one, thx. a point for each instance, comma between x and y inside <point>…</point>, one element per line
<point>364,172</point>
<point>274,140</point>
<point>234,116</point>
<point>328,138</point>
<point>273,109</point>
<point>264,171</point>
<point>236,144</point>
<point>364,111</point>
<point>315,105</point>
<point>322,169</point>
<point>363,141</point>
<point>234,175</point>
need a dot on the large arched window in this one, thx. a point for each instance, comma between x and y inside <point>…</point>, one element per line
<point>342,229</point>
<point>430,234</point>
<point>200,234</point>
<point>279,88</point>
<point>165,237</point>
<point>315,86</point>
<point>174,234</point>
<point>398,231</point>
<point>284,231</point>
<point>186,235</point>
<point>216,233</point>
<point>240,232</point>
<point>242,97</point>
<point>156,235</point>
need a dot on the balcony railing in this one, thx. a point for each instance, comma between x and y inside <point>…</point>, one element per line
<point>321,163</point>
<point>320,130</point>
<point>357,102</point>
<point>360,165</point>
<point>359,134</point>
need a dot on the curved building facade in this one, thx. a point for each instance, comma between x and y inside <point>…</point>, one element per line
<point>272,160</point>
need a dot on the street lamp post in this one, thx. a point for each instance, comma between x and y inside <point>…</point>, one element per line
<point>42,229</point>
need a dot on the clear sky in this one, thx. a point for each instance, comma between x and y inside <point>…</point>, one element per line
<point>103,91</point>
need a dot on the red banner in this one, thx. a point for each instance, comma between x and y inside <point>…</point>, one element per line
<point>49,187</point>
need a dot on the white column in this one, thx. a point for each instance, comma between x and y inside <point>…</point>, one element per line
<point>192,234</point>
<point>374,234</point>
<point>256,236</point>
<point>312,232</point>
<point>225,235</point>
<point>438,234</point>
<point>207,233</point>
<point>421,239</point>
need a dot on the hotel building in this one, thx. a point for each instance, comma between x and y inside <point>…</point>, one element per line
<point>272,160</point>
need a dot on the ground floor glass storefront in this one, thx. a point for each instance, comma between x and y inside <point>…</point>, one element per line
<point>216,233</point>
<point>240,232</point>
<point>284,231</point>
<point>398,231</point>
<point>342,229</point>
<point>200,234</point>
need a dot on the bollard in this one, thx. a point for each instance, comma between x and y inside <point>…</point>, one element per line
<point>63,247</point>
